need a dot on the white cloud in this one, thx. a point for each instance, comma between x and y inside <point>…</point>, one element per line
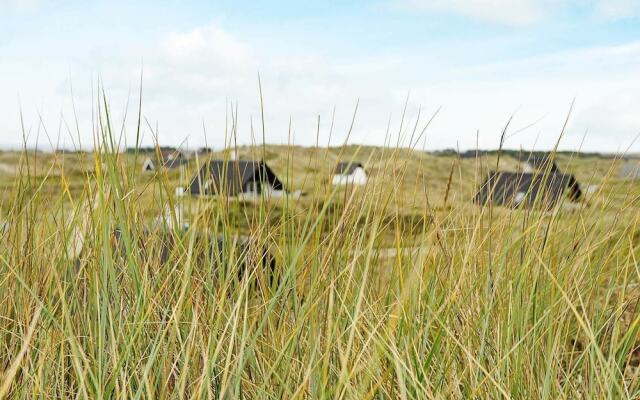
<point>209,45</point>
<point>190,76</point>
<point>508,12</point>
<point>618,9</point>
<point>473,96</point>
<point>11,6</point>
<point>522,12</point>
<point>603,80</point>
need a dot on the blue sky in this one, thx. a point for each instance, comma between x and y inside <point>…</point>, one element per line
<point>477,61</point>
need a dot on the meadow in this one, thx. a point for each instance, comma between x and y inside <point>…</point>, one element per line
<point>403,288</point>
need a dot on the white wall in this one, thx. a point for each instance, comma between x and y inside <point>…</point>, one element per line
<point>148,163</point>
<point>358,177</point>
<point>266,189</point>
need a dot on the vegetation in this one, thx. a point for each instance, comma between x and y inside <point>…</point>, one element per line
<point>399,289</point>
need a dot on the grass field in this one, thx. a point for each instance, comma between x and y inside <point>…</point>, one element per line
<point>400,289</point>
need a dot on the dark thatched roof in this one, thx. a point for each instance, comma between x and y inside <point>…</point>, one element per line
<point>232,177</point>
<point>514,189</point>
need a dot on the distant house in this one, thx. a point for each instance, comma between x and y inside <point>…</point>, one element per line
<point>236,178</point>
<point>542,164</point>
<point>169,159</point>
<point>148,165</point>
<point>630,170</point>
<point>349,174</point>
<point>516,189</point>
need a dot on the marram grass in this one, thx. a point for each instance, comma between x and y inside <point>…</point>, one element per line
<point>399,289</point>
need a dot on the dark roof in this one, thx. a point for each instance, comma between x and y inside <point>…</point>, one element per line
<point>232,177</point>
<point>347,168</point>
<point>515,189</point>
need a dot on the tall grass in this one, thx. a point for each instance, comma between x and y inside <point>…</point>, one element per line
<point>393,290</point>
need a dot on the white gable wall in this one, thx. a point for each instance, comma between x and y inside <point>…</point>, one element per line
<point>251,193</point>
<point>148,165</point>
<point>271,192</point>
<point>358,177</point>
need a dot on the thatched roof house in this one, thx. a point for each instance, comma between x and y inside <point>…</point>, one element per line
<point>236,178</point>
<point>349,173</point>
<point>515,189</point>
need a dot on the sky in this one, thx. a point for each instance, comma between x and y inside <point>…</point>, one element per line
<point>362,72</point>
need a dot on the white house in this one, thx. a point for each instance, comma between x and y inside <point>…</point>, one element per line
<point>349,174</point>
<point>148,165</point>
<point>245,179</point>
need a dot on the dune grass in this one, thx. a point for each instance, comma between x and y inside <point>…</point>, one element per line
<point>399,289</point>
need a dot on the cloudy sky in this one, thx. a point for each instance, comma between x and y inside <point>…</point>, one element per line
<point>479,62</point>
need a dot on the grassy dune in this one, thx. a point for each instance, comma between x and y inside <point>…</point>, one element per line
<point>400,289</point>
